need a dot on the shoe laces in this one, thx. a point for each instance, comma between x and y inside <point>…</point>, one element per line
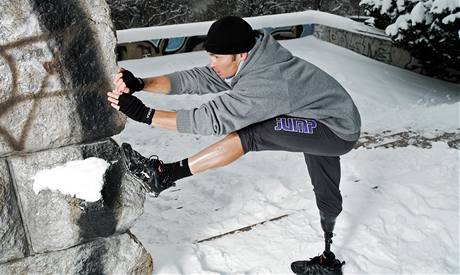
<point>316,260</point>
<point>164,175</point>
<point>154,157</point>
<point>160,162</point>
<point>321,260</point>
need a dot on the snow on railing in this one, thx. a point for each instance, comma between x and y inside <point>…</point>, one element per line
<point>259,22</point>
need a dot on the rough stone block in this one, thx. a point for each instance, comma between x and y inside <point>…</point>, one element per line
<point>57,59</point>
<point>119,254</point>
<point>13,243</point>
<point>56,221</point>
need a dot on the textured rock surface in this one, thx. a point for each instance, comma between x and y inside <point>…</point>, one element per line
<point>120,254</point>
<point>56,221</point>
<point>57,59</point>
<point>56,62</point>
<point>13,242</point>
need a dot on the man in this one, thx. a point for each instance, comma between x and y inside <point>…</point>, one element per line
<point>276,101</point>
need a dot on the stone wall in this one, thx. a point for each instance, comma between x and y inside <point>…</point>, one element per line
<point>372,45</point>
<point>57,59</point>
<point>378,47</point>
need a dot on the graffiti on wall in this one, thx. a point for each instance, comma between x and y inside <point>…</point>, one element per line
<point>159,47</point>
<point>167,46</point>
<point>39,82</point>
<point>11,96</point>
<point>53,81</point>
<point>371,45</point>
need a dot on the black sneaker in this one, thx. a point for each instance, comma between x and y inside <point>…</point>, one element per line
<point>323,264</point>
<point>148,171</point>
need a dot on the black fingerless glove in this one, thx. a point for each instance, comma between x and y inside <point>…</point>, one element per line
<point>135,109</point>
<point>133,83</point>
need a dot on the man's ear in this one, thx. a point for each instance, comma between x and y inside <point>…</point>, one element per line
<point>243,56</point>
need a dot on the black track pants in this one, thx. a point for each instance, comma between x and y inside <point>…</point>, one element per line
<point>320,146</point>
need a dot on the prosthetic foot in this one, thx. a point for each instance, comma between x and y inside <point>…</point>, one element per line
<point>326,263</point>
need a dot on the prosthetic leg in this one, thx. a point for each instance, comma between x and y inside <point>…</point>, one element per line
<point>327,224</point>
<point>325,263</point>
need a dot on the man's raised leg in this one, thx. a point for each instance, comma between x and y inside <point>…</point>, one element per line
<point>216,155</point>
<point>157,176</point>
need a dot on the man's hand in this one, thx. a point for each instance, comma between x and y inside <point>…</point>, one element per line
<point>131,106</point>
<point>126,82</point>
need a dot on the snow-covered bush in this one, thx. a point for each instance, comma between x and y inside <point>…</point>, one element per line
<point>383,11</point>
<point>429,29</point>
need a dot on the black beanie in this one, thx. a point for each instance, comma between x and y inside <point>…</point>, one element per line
<point>230,35</point>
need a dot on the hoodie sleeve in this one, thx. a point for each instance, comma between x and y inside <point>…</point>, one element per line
<point>199,80</point>
<point>235,110</point>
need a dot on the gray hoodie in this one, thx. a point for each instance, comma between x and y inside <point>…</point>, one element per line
<point>271,82</point>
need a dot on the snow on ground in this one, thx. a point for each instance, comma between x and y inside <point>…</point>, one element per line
<point>401,206</point>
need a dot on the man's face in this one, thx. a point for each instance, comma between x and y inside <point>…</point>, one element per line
<point>226,65</point>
